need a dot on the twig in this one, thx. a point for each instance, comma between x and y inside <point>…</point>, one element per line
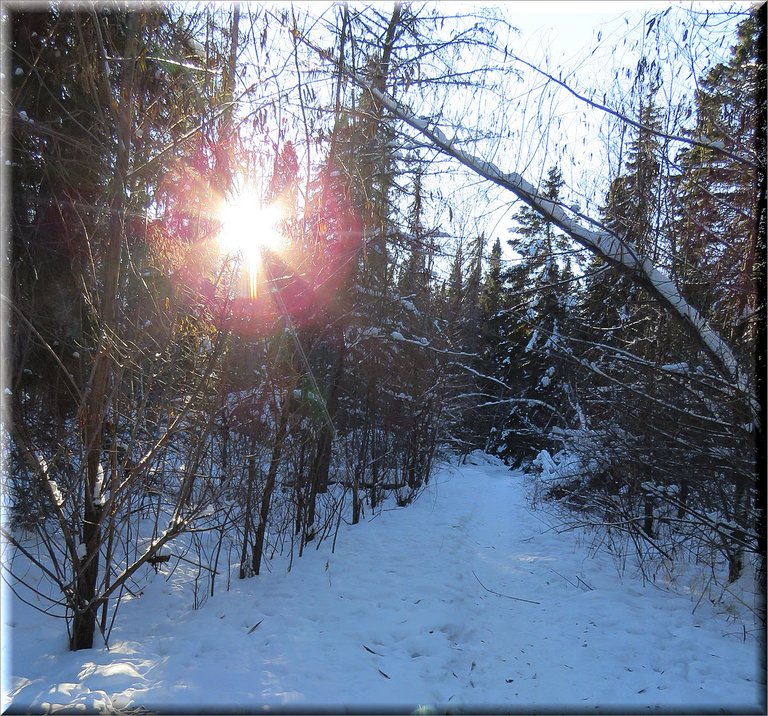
<point>184,559</point>
<point>498,594</point>
<point>586,586</point>
<point>591,589</point>
<point>575,586</point>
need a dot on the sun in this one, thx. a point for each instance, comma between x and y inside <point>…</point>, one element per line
<point>247,229</point>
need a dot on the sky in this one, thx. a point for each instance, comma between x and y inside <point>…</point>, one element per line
<point>568,26</point>
<point>552,126</point>
<point>586,43</point>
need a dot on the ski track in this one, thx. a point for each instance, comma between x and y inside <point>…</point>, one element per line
<point>402,586</point>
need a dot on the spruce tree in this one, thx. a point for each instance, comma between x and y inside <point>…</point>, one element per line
<point>538,324</point>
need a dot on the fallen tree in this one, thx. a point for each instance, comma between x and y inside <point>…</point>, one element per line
<point>616,251</point>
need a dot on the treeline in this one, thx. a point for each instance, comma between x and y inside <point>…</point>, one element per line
<point>169,402</point>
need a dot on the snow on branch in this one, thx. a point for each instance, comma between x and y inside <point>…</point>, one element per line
<point>616,251</point>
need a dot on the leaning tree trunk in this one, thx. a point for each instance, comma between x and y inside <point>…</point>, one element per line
<point>615,250</point>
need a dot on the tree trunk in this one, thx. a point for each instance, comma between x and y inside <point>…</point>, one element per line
<point>269,487</point>
<point>318,478</point>
<point>85,613</point>
<point>323,458</point>
<point>356,497</point>
<point>648,516</point>
<point>247,520</point>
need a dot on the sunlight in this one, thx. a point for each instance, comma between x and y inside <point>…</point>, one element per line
<point>248,229</point>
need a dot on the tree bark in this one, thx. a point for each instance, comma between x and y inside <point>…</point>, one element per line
<point>248,505</point>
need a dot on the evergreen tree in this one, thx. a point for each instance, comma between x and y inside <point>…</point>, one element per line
<point>718,258</point>
<point>647,401</point>
<point>716,232</point>
<point>536,327</point>
<point>614,307</point>
<point>491,295</point>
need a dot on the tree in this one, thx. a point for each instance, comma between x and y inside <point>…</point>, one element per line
<point>717,239</point>
<point>540,322</point>
<point>121,420</point>
<point>620,253</point>
<point>716,230</point>
<point>618,317</point>
<point>491,296</point>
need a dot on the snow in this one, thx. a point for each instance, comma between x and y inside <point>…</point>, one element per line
<point>465,599</point>
<point>57,496</point>
<point>98,489</point>
<point>546,379</point>
<point>676,367</point>
<point>440,136</point>
<point>713,143</point>
<point>408,305</point>
<point>42,462</point>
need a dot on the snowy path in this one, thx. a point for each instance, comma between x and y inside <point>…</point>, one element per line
<point>396,618</point>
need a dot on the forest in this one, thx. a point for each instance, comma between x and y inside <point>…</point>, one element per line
<point>270,265</point>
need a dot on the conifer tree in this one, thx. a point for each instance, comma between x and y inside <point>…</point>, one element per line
<point>537,327</point>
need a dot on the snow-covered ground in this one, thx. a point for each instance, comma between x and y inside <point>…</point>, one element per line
<point>464,600</point>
